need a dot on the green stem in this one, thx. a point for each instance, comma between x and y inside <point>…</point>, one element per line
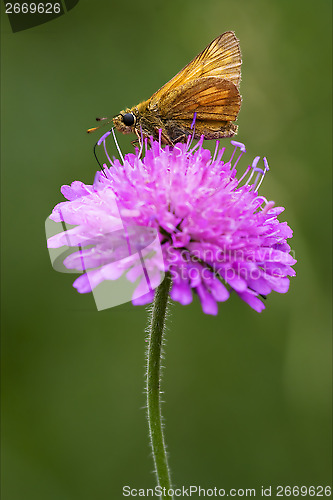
<point>156,331</point>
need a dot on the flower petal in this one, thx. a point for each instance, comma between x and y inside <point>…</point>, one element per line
<point>252,300</point>
<point>208,303</point>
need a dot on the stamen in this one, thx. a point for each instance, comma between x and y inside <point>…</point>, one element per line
<point>188,140</point>
<point>235,165</point>
<point>198,144</point>
<point>192,127</point>
<point>233,154</point>
<point>269,205</point>
<point>101,139</point>
<point>253,166</point>
<point>259,200</point>
<point>96,179</point>
<point>215,152</point>
<point>264,173</point>
<point>262,178</point>
<point>141,142</point>
<point>193,122</point>
<point>106,153</point>
<point>116,142</point>
<point>96,155</point>
<point>245,173</point>
<point>102,167</point>
<point>219,155</point>
<point>239,145</point>
<point>260,173</point>
<point>98,143</point>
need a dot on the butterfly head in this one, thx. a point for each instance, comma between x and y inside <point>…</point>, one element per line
<point>125,121</point>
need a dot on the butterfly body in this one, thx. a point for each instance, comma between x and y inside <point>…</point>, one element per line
<point>207,88</point>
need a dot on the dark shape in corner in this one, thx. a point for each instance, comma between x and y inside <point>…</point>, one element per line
<point>20,21</point>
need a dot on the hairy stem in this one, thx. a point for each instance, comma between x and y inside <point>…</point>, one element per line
<point>156,331</point>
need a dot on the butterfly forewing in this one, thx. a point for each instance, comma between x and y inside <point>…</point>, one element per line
<point>222,58</point>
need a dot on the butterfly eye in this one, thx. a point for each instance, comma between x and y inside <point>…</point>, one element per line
<point>128,119</point>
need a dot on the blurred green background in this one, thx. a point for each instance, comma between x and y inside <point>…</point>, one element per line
<point>248,395</point>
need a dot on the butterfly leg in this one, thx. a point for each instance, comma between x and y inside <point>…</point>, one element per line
<point>180,138</point>
<point>165,139</point>
<point>138,139</point>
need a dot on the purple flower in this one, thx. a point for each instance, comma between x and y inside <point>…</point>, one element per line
<point>216,233</point>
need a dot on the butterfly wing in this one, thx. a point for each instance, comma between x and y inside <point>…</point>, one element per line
<point>222,59</point>
<point>207,86</point>
<point>211,98</point>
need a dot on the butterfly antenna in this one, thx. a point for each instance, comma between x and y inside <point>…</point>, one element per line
<point>106,120</point>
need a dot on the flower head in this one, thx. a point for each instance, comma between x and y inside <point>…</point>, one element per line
<point>216,233</point>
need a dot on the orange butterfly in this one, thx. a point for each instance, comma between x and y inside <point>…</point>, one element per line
<point>207,88</point>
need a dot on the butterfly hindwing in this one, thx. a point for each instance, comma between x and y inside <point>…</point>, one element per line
<point>211,98</point>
